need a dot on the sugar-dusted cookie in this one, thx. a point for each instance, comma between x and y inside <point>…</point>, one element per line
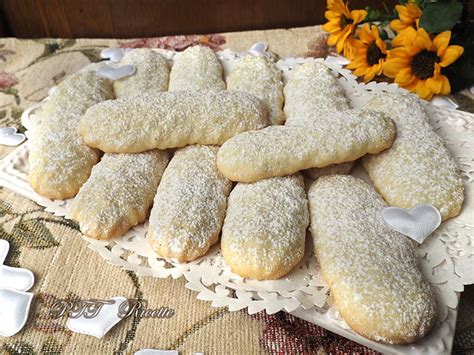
<point>418,169</point>
<point>282,150</point>
<point>59,161</point>
<point>372,270</point>
<point>151,73</point>
<point>264,231</point>
<point>197,68</point>
<point>189,206</point>
<point>311,92</point>
<point>259,76</point>
<point>170,119</point>
<point>119,193</point>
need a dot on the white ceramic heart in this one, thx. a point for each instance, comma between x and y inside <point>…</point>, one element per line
<point>14,309</point>
<point>8,136</point>
<point>16,278</point>
<point>99,325</point>
<point>4,248</point>
<point>116,73</point>
<point>258,49</point>
<point>417,223</point>
<point>114,54</point>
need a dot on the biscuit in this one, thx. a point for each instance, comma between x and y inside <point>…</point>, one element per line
<point>372,271</point>
<point>264,231</point>
<point>418,169</point>
<point>260,77</point>
<point>151,73</point>
<point>189,206</point>
<point>59,161</point>
<point>311,92</point>
<point>197,68</point>
<point>170,120</point>
<point>281,150</point>
<point>119,193</point>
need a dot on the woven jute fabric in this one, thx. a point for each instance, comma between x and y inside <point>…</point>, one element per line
<point>65,268</point>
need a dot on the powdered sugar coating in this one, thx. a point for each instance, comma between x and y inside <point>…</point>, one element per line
<point>59,161</point>
<point>189,206</point>
<point>170,119</point>
<point>418,169</point>
<point>74,95</point>
<point>282,150</point>
<point>311,92</point>
<point>119,193</point>
<point>260,77</point>
<point>151,73</point>
<point>197,68</point>
<point>264,230</point>
<point>372,270</point>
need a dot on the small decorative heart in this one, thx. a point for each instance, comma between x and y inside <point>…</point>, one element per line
<point>8,136</point>
<point>14,309</point>
<point>100,324</point>
<point>114,54</point>
<point>417,223</point>
<point>16,278</point>
<point>258,49</point>
<point>116,73</point>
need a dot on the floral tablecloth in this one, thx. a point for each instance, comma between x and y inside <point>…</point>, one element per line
<point>66,269</point>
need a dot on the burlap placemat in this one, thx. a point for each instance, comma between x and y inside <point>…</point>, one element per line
<point>66,269</point>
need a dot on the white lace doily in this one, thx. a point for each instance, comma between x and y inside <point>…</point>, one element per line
<point>447,257</point>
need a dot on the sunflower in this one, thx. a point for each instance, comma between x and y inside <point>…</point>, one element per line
<point>408,15</point>
<point>370,52</point>
<point>341,25</point>
<point>416,64</point>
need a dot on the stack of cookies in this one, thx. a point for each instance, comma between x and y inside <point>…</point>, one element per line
<point>204,163</point>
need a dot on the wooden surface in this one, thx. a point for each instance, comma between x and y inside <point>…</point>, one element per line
<point>148,18</point>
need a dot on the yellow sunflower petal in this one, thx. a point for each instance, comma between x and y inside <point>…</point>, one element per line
<point>441,42</point>
<point>364,33</point>
<point>422,40</point>
<point>404,77</point>
<point>392,67</point>
<point>405,37</point>
<point>358,15</point>
<point>435,84</point>
<point>331,26</point>
<point>446,87</point>
<point>397,25</point>
<point>423,90</point>
<point>451,54</point>
<point>332,39</point>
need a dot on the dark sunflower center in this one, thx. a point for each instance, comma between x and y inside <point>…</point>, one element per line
<point>345,21</point>
<point>423,64</point>
<point>374,54</point>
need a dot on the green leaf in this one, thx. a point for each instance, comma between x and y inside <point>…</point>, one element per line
<point>33,234</point>
<point>441,16</point>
